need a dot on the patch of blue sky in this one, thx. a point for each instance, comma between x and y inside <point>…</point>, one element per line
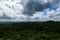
<point>53,8</point>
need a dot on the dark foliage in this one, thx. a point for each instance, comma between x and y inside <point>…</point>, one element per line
<point>30,31</point>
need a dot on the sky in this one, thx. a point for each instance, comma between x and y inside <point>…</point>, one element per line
<point>29,10</point>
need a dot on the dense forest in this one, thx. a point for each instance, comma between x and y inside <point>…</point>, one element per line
<point>30,31</point>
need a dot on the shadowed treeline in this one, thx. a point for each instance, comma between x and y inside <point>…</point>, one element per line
<point>30,31</point>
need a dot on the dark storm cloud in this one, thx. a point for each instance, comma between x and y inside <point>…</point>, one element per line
<point>5,17</point>
<point>56,1</point>
<point>32,7</point>
<point>29,8</point>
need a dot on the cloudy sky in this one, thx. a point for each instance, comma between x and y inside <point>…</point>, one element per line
<point>29,10</point>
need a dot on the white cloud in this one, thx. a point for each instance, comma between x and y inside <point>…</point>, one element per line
<point>14,10</point>
<point>9,11</point>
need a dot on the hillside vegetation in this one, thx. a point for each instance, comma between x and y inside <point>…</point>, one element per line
<point>30,31</point>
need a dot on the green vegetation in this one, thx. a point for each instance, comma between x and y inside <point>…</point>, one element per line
<point>30,31</point>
